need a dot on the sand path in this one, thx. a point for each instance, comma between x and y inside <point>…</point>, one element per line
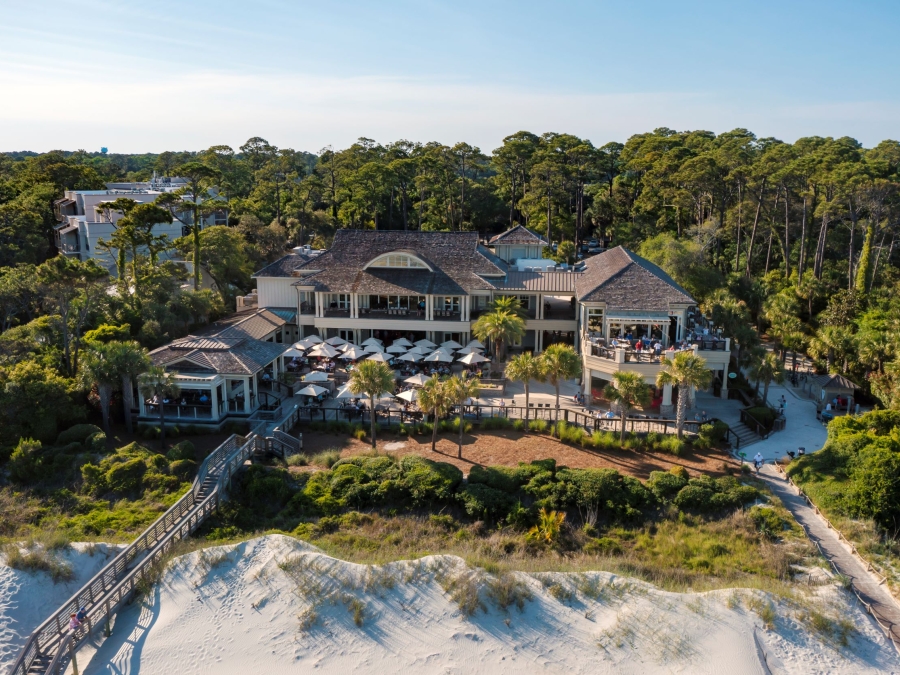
<point>883,605</point>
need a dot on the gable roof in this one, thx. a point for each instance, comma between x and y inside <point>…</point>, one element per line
<point>623,279</point>
<point>285,266</point>
<point>231,356</point>
<point>456,259</point>
<point>252,323</point>
<point>518,235</point>
<point>834,381</point>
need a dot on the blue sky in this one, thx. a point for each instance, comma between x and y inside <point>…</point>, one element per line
<point>186,75</point>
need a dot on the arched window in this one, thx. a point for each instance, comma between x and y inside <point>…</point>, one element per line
<point>399,260</point>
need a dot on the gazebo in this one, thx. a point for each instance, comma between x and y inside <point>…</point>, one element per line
<point>826,388</point>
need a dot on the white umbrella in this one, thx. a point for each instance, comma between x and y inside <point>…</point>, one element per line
<point>469,350</point>
<point>476,344</point>
<point>396,349</point>
<point>451,344</point>
<point>352,353</point>
<point>316,376</point>
<point>409,396</point>
<point>336,341</point>
<point>293,351</point>
<point>378,356</point>
<point>344,392</point>
<point>324,350</point>
<point>374,349</point>
<point>474,357</point>
<point>314,339</point>
<point>344,347</point>
<point>409,356</point>
<point>403,342</point>
<point>425,343</point>
<point>418,380</point>
<point>420,350</point>
<point>372,341</point>
<point>305,343</point>
<point>311,390</point>
<point>438,356</point>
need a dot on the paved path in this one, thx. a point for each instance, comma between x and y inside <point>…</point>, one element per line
<point>883,606</point>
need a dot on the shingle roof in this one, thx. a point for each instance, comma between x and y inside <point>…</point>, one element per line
<point>546,282</point>
<point>456,258</point>
<point>231,356</point>
<point>834,381</point>
<point>518,235</point>
<point>253,323</point>
<point>623,279</point>
<point>284,267</point>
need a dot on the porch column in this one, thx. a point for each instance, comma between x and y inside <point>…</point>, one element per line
<point>214,401</point>
<point>586,387</point>
<point>666,408</point>
<point>466,307</point>
<point>247,395</point>
<point>319,303</point>
<point>429,307</point>
<point>538,340</point>
<point>141,409</point>
<point>724,393</point>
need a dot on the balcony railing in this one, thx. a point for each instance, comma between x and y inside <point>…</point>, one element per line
<point>401,313</point>
<point>709,345</point>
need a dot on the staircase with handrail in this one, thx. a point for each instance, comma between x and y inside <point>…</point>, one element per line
<point>53,643</point>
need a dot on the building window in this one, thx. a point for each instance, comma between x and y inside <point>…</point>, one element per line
<point>595,320</point>
<point>399,260</point>
<point>343,301</point>
<point>450,304</point>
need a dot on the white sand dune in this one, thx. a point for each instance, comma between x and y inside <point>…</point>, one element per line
<point>27,598</point>
<point>236,610</point>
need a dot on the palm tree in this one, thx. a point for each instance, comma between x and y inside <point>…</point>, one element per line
<point>98,367</point>
<point>560,363</point>
<point>435,398</point>
<point>372,378</point>
<point>831,343</point>
<point>768,370</point>
<point>628,389</point>
<point>500,327</point>
<point>131,361</point>
<point>461,390</point>
<point>684,371</point>
<point>160,383</point>
<point>524,368</point>
<point>509,303</point>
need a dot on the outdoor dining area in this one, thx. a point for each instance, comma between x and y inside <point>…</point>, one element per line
<point>320,364</point>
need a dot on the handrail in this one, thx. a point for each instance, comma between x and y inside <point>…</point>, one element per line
<point>95,594</point>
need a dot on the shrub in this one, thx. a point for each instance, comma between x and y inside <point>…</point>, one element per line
<point>767,521</point>
<point>506,479</point>
<point>764,415</point>
<point>518,425</point>
<point>77,434</point>
<point>673,445</point>
<point>297,460</point>
<point>680,471</point>
<point>427,481</point>
<point>25,464</point>
<point>605,440</point>
<point>489,423</point>
<point>126,476</point>
<point>182,450</point>
<point>506,590</point>
<point>183,469</point>
<point>548,529</point>
<point>482,501</point>
<point>666,485</point>
<point>538,426</point>
<point>603,546</point>
<point>95,443</point>
<point>326,458</point>
<point>569,434</point>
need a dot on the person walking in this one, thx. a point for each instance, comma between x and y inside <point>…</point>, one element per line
<point>74,623</point>
<point>758,461</point>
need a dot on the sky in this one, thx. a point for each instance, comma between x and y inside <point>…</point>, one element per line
<point>147,77</point>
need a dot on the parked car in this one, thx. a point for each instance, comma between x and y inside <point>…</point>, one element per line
<point>594,248</point>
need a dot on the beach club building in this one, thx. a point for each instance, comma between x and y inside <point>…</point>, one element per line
<point>618,310</point>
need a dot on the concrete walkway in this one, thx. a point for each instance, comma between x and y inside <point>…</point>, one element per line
<point>881,603</point>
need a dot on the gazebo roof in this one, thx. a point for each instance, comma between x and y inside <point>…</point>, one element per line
<point>834,381</point>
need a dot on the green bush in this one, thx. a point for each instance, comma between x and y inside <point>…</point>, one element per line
<point>505,479</point>
<point>538,426</point>
<point>491,423</point>
<point>704,495</point>
<point>665,485</point>
<point>128,471</point>
<point>518,425</point>
<point>25,464</point>
<point>182,450</point>
<point>605,440</point>
<point>95,443</point>
<point>183,469</point>
<point>764,415</point>
<point>427,481</point>
<point>126,476</point>
<point>77,434</point>
<point>484,502</point>
<point>673,445</point>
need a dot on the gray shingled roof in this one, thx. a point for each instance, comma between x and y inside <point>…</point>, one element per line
<point>625,280</point>
<point>456,258</point>
<point>518,235</point>
<point>255,324</point>
<point>545,282</point>
<point>229,356</point>
<point>284,267</point>
<point>834,381</point>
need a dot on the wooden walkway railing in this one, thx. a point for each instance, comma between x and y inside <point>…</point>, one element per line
<point>52,644</point>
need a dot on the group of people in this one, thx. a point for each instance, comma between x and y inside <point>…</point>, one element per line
<point>76,619</point>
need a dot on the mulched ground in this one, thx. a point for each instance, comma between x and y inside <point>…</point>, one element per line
<point>510,447</point>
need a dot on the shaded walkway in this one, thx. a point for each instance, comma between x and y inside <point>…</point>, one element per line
<point>875,596</point>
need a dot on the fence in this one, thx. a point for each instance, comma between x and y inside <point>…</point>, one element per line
<point>115,583</point>
<point>882,579</point>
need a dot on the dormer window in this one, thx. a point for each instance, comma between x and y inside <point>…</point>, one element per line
<point>399,261</point>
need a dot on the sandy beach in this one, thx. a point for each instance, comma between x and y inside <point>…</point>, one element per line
<point>277,605</point>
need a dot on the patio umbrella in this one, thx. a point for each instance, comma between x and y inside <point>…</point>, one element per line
<point>409,356</point>
<point>474,357</point>
<point>396,349</point>
<point>438,356</point>
<point>344,347</point>
<point>311,390</point>
<point>451,344</point>
<point>418,380</point>
<point>316,376</point>
<point>378,356</point>
<point>344,392</point>
<point>314,339</point>
<point>305,343</point>
<point>372,341</point>
<point>374,349</point>
<point>403,342</point>
<point>469,350</point>
<point>420,350</point>
<point>336,341</point>
<point>324,350</point>
<point>352,354</point>
<point>408,396</point>
<point>293,351</point>
<point>425,343</point>
<point>476,344</point>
